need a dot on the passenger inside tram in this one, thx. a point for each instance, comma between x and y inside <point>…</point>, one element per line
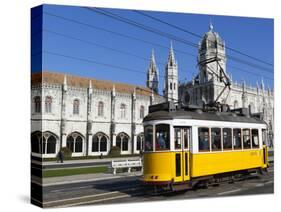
<point>237,139</point>
<point>148,138</point>
<point>162,137</point>
<point>161,141</point>
<point>203,139</point>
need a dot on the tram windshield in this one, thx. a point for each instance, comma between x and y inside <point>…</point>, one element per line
<point>162,139</point>
<point>148,138</point>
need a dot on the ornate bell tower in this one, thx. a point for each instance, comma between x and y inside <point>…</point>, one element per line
<point>211,57</point>
<point>152,74</point>
<point>171,77</point>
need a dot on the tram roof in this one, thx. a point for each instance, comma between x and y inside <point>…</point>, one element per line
<point>200,115</point>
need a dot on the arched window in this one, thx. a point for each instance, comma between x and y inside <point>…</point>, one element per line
<point>251,107</point>
<point>204,45</point>
<point>70,143</point>
<point>100,109</point>
<point>122,141</point>
<point>125,143</point>
<point>235,104</point>
<point>171,86</point>
<point>37,104</point>
<point>141,112</point>
<point>212,44</point>
<point>95,144</point>
<point>36,142</point>
<point>51,144</point>
<point>103,144</point>
<point>140,139</point>
<point>43,143</point>
<point>123,110</point>
<point>78,144</point>
<point>76,105</point>
<point>74,142</point>
<point>48,104</point>
<point>99,144</point>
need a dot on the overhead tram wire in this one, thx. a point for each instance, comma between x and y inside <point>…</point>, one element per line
<point>99,45</point>
<point>155,31</point>
<point>249,72</point>
<point>95,62</point>
<point>199,36</point>
<point>142,26</point>
<point>117,33</point>
<point>123,52</point>
<point>249,64</point>
<point>126,36</point>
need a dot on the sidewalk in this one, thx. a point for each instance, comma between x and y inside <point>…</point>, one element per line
<point>50,181</point>
<point>86,161</point>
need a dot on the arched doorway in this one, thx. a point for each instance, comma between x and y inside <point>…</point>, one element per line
<point>251,107</point>
<point>75,143</point>
<point>122,141</point>
<point>45,144</point>
<point>139,143</point>
<point>100,144</point>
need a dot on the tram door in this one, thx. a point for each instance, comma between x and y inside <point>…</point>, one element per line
<point>182,163</point>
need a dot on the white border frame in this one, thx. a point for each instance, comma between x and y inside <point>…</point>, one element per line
<point>15,19</point>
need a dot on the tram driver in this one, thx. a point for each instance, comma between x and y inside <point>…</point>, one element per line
<point>161,141</point>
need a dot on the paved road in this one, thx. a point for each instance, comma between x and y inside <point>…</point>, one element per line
<point>130,189</point>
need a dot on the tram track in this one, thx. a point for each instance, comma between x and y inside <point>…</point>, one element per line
<point>130,191</point>
<point>95,198</point>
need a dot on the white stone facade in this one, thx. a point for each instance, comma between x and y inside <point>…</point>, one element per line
<point>99,122</point>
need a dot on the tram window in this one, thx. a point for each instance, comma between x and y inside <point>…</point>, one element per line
<point>148,138</point>
<point>227,138</point>
<point>203,138</point>
<point>162,137</point>
<point>264,137</point>
<point>186,137</point>
<point>255,138</point>
<point>177,138</point>
<point>216,139</point>
<point>237,139</point>
<point>246,139</point>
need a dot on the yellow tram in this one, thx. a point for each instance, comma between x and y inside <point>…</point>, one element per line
<point>186,146</point>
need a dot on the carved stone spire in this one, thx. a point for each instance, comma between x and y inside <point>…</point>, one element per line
<point>171,59</point>
<point>262,84</point>
<point>90,87</point>
<point>134,94</point>
<point>113,90</point>
<point>152,74</point>
<point>64,83</point>
<point>171,77</point>
<point>211,27</point>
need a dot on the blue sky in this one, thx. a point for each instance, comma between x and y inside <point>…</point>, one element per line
<point>253,36</point>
